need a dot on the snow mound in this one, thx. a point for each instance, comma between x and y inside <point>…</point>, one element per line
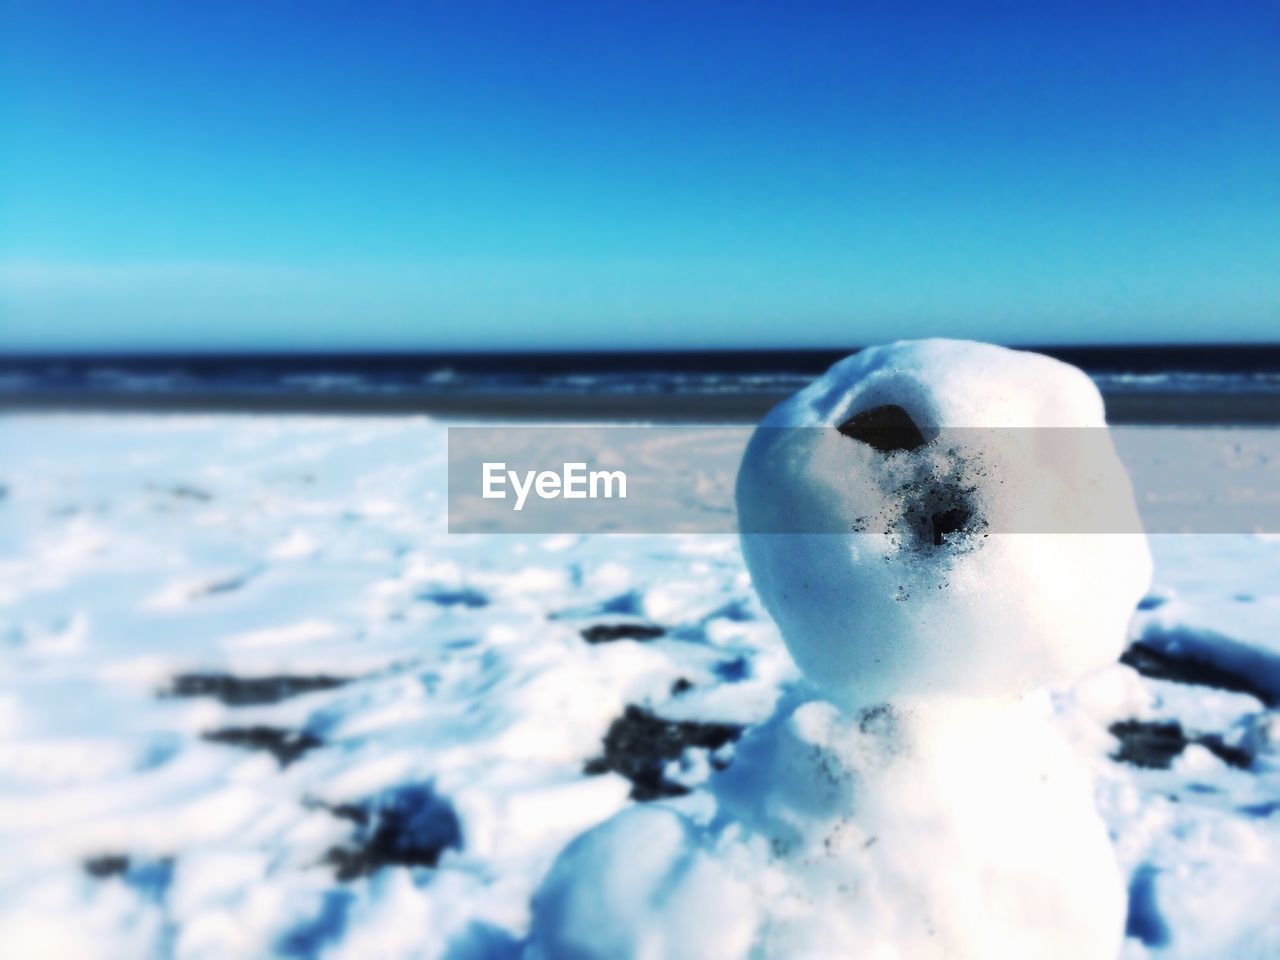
<point>653,892</point>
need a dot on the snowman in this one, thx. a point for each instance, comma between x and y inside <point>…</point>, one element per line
<point>942,532</point>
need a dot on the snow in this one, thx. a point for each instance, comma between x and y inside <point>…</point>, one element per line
<point>667,897</point>
<point>321,550</point>
<point>941,828</point>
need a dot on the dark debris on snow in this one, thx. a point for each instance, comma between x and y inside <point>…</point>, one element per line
<point>1155,744</point>
<point>408,826</point>
<point>609,632</point>
<point>639,744</point>
<point>249,691</point>
<point>283,744</point>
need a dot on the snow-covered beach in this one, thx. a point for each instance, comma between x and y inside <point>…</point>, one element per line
<point>256,701</point>
<point>639,481</point>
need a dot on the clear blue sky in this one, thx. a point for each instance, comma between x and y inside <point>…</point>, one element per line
<point>213,175</point>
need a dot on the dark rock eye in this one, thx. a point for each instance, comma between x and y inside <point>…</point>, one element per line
<point>887,428</point>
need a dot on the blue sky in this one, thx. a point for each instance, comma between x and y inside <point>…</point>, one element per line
<point>321,175</point>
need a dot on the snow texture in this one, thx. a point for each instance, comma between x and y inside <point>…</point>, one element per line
<point>166,577</point>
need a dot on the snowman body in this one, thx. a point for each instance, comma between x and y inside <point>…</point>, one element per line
<point>950,828</point>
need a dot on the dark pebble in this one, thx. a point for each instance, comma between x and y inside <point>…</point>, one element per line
<point>1155,744</point>
<point>639,744</point>
<point>405,827</point>
<point>285,745</point>
<point>609,632</point>
<point>1160,664</point>
<point>249,691</point>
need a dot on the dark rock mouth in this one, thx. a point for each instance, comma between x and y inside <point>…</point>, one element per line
<point>935,502</point>
<point>888,428</point>
<point>939,512</point>
<point>639,744</point>
<point>949,522</point>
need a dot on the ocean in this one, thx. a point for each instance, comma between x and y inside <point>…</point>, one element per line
<point>1142,384</point>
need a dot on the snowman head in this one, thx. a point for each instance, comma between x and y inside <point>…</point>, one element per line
<point>942,517</point>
